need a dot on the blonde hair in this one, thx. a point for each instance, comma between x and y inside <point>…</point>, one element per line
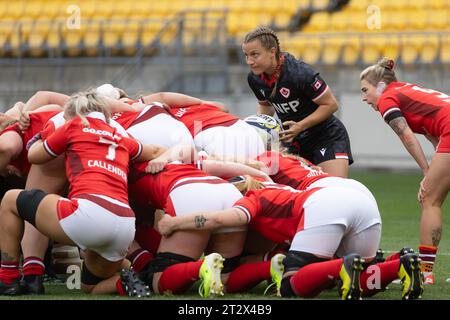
<point>383,70</point>
<point>248,184</point>
<point>82,103</point>
<point>267,37</point>
<point>122,93</point>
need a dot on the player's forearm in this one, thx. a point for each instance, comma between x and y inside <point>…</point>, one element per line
<point>412,145</point>
<point>172,99</point>
<point>231,169</point>
<point>42,98</point>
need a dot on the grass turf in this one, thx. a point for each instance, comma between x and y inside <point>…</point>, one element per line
<point>396,196</point>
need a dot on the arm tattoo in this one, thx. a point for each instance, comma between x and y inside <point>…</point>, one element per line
<point>399,125</point>
<point>436,236</point>
<point>200,222</point>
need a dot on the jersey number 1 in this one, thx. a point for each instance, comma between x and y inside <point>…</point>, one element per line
<point>111,149</point>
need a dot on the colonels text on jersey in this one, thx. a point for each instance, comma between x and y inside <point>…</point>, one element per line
<point>296,87</point>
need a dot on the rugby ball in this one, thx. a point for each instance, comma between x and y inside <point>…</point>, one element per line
<point>264,122</point>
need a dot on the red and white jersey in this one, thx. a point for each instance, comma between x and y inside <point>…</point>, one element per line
<point>148,188</point>
<point>154,125</point>
<point>425,110</point>
<point>97,156</point>
<point>275,211</point>
<point>203,116</point>
<point>290,171</point>
<point>37,122</point>
<point>130,118</point>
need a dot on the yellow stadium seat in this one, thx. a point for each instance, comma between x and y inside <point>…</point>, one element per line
<point>282,19</point>
<point>439,19</point>
<point>92,38</point>
<point>54,37</point>
<point>429,52</point>
<point>101,10</point>
<point>33,9</point>
<point>418,19</point>
<point>130,37</point>
<point>52,9</point>
<point>38,37</point>
<point>351,50</point>
<point>319,22</point>
<point>90,9</point>
<point>310,49</point>
<point>339,21</point>
<point>372,48</point>
<point>399,4</point>
<point>233,21</point>
<point>357,21</point>
<point>395,20</point>
<point>112,32</point>
<point>122,10</point>
<point>391,49</point>
<point>438,4</point>
<point>411,45</point>
<point>332,49</point>
<point>72,40</point>
<point>6,30</point>
<point>15,9</point>
<point>419,4</point>
<point>445,49</point>
<point>320,4</point>
<point>141,10</point>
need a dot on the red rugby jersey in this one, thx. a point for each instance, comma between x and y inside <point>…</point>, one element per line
<point>275,211</point>
<point>425,110</point>
<point>96,156</point>
<point>203,116</point>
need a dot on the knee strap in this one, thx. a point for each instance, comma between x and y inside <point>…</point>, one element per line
<point>28,202</point>
<point>162,261</point>
<point>297,259</point>
<point>286,289</point>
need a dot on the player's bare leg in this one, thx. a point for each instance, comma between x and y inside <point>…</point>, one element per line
<point>436,185</point>
<point>336,167</point>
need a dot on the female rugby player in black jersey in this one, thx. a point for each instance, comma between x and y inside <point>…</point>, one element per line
<point>302,101</point>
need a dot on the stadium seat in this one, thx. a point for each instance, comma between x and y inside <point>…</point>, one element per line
<point>37,39</point>
<point>411,45</point>
<point>339,22</point>
<point>310,49</point>
<point>52,9</point>
<point>15,9</point>
<point>92,38</point>
<point>357,21</point>
<point>332,49</point>
<point>54,38</point>
<point>445,49</point>
<point>351,50</point>
<point>320,5</point>
<point>372,48</point>
<point>438,4</point>
<point>72,40</point>
<point>33,9</point>
<point>440,19</point>
<point>418,19</point>
<point>131,37</point>
<point>391,49</point>
<point>429,52</point>
<point>319,22</point>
